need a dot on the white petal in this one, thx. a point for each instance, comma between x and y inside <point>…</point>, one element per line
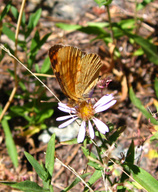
<point>105,106</point>
<point>101,126</point>
<point>64,117</point>
<point>66,123</point>
<point>91,130</point>
<point>82,132</point>
<point>103,100</point>
<point>65,108</point>
<point>62,104</point>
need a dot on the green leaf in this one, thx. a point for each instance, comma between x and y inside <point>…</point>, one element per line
<point>23,20</point>
<point>95,165</point>
<point>36,44</point>
<point>5,10</point>
<point>46,66</point>
<point>113,138</point>
<point>38,168</point>
<point>22,85</point>
<point>88,153</point>
<point>75,182</point>
<point>28,186</point>
<point>91,29</point>
<point>70,142</point>
<point>85,151</point>
<point>96,175</point>
<point>149,48</point>
<point>8,32</point>
<point>143,4</point>
<point>33,20</point>
<point>9,141</point>
<point>156,86</point>
<point>22,44</point>
<point>43,40</point>
<point>42,115</point>
<point>43,126</point>
<point>50,154</point>
<point>91,162</point>
<point>15,12</point>
<point>143,178</point>
<point>68,27</point>
<point>139,105</point>
<point>94,30</point>
<point>37,68</point>
<point>129,159</point>
<point>126,24</point>
<point>21,111</point>
<point>98,24</point>
<point>154,137</point>
<point>130,153</point>
<point>138,52</point>
<point>2,54</point>
<point>11,72</point>
<point>103,2</point>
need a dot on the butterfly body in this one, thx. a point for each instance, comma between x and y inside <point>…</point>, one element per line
<point>76,72</point>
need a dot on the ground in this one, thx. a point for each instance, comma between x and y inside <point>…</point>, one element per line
<point>137,71</point>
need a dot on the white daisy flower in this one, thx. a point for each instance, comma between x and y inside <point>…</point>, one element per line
<point>86,111</point>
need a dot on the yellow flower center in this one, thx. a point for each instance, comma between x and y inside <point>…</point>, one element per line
<point>85,110</point>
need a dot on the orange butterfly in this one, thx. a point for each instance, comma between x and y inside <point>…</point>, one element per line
<point>76,72</point>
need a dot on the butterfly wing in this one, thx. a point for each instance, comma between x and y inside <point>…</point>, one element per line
<point>76,72</point>
<point>87,77</point>
<point>65,61</point>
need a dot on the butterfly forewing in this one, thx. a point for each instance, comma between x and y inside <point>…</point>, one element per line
<point>56,63</point>
<point>76,72</point>
<point>65,62</point>
<point>70,58</point>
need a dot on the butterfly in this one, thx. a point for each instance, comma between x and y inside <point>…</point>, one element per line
<point>76,71</point>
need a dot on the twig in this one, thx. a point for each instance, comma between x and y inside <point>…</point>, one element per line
<point>43,75</point>
<point>75,173</point>
<point>68,161</point>
<point>16,39</point>
<point>104,181</point>
<point>8,103</point>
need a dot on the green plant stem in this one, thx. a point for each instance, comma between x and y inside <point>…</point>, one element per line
<point>110,23</point>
